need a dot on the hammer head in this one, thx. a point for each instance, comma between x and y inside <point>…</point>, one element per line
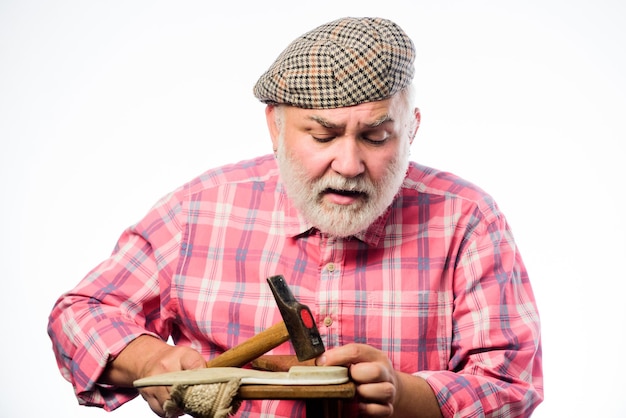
<point>305,337</point>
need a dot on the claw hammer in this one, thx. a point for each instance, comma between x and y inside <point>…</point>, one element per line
<point>298,325</point>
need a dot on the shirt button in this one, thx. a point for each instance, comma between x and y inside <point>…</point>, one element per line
<point>328,321</point>
<point>330,267</point>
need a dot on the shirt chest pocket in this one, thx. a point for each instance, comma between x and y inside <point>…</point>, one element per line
<point>413,327</point>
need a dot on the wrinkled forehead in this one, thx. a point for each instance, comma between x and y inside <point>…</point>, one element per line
<point>366,115</point>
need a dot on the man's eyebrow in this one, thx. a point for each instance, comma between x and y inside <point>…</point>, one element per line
<point>383,119</point>
<point>325,123</point>
<point>329,125</point>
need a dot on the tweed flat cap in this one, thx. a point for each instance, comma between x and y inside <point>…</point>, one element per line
<point>341,63</point>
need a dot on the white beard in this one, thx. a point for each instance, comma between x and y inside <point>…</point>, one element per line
<point>341,220</point>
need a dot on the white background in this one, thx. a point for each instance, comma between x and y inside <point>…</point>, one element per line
<point>107,105</point>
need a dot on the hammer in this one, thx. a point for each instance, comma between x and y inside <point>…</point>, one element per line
<point>297,324</point>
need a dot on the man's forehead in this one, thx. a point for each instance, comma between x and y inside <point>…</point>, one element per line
<point>337,123</point>
<point>369,115</point>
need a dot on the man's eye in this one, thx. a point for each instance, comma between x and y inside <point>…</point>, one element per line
<point>323,138</point>
<point>376,139</point>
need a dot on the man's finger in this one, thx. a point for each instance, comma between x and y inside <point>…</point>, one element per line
<point>382,393</point>
<point>348,354</point>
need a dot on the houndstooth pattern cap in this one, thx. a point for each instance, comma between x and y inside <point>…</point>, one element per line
<point>341,63</point>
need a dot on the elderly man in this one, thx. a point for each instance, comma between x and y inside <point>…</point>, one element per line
<point>412,273</point>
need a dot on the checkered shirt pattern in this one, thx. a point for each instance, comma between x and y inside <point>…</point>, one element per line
<point>436,283</point>
<point>342,63</point>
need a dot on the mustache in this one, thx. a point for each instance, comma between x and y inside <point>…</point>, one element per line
<point>349,185</point>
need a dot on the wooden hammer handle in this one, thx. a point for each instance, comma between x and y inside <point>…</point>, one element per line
<point>252,348</point>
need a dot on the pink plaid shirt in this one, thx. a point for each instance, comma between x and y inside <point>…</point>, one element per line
<point>437,283</point>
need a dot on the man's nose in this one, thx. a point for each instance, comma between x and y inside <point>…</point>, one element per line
<point>348,159</point>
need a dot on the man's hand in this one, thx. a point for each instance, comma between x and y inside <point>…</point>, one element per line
<point>149,356</point>
<point>381,390</point>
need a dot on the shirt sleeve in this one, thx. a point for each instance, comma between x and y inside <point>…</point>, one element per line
<point>495,365</point>
<point>124,297</point>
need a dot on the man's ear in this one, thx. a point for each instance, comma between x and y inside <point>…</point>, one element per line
<point>416,124</point>
<point>272,126</point>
